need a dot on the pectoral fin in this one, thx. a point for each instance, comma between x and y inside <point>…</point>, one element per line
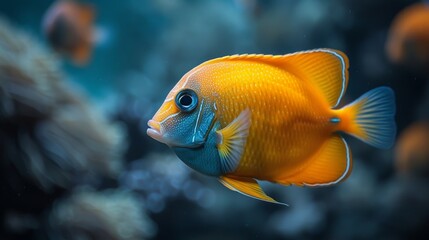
<point>231,141</point>
<point>248,187</point>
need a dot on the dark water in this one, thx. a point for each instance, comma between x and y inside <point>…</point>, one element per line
<point>77,164</point>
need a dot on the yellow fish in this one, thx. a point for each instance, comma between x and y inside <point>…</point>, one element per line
<point>244,118</point>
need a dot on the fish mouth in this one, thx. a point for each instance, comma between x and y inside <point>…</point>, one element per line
<point>154,131</point>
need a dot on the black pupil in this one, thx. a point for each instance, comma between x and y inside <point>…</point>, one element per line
<point>185,100</point>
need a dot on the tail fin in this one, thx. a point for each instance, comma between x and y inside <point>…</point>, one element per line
<point>371,118</point>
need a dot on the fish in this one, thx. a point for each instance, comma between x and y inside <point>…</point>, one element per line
<point>252,117</point>
<point>251,7</point>
<point>411,151</point>
<point>408,39</point>
<point>69,28</point>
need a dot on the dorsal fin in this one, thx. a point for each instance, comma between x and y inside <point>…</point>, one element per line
<point>326,69</point>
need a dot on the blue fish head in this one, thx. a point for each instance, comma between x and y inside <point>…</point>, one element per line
<point>183,121</point>
<point>187,123</point>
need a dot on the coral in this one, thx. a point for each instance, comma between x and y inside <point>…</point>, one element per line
<point>49,130</point>
<point>111,214</point>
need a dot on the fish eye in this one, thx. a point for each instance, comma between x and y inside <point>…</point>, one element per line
<point>186,100</point>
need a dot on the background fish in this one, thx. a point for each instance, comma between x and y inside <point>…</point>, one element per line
<point>248,117</point>
<point>408,41</point>
<point>68,27</point>
<point>412,152</point>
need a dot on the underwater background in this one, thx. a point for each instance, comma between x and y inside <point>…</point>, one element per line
<point>76,162</point>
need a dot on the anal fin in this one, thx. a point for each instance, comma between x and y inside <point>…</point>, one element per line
<point>248,187</point>
<point>330,165</point>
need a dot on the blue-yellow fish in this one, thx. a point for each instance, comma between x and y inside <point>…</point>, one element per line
<point>244,118</point>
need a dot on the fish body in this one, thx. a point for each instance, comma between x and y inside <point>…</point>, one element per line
<point>68,26</point>
<point>272,118</point>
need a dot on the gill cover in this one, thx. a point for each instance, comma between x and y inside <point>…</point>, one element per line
<point>184,120</point>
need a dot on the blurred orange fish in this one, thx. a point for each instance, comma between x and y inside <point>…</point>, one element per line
<point>244,118</point>
<point>412,150</point>
<point>408,41</point>
<point>68,26</point>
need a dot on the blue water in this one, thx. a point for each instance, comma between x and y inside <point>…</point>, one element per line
<point>87,155</point>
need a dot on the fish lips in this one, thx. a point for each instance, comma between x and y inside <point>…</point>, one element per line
<point>155,131</point>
